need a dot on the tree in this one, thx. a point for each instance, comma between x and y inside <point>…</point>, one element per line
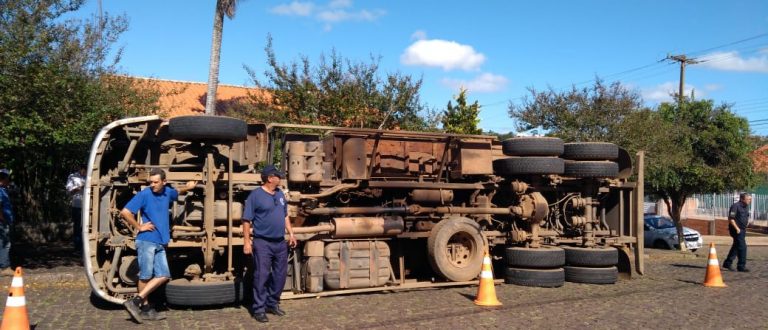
<point>337,92</point>
<point>589,114</point>
<point>711,147</point>
<point>462,118</point>
<point>56,92</point>
<point>223,7</point>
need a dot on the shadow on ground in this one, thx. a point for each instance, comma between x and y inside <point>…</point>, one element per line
<point>44,256</point>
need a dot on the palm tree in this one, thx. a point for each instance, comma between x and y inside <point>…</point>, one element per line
<point>223,7</point>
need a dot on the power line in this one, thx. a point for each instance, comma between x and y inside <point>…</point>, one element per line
<point>730,43</point>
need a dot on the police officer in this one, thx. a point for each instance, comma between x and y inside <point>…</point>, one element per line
<point>266,218</point>
<point>738,216</point>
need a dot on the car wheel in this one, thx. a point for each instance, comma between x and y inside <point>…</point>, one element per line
<point>545,278</point>
<point>183,292</point>
<point>660,244</point>
<point>591,275</point>
<point>591,257</point>
<point>535,258</point>
<point>217,128</point>
<point>455,249</point>
<point>532,146</point>
<point>529,165</point>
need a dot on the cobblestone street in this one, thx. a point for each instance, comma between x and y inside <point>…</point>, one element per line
<point>669,296</point>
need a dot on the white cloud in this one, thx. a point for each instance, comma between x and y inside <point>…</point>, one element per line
<point>295,8</point>
<point>448,55</point>
<point>340,15</point>
<point>732,61</point>
<point>665,92</point>
<point>484,83</point>
<point>419,35</point>
<point>335,11</point>
<point>340,4</point>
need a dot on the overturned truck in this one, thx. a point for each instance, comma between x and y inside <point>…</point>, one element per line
<point>371,209</point>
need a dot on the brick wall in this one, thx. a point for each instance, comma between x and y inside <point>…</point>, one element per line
<point>703,226</point>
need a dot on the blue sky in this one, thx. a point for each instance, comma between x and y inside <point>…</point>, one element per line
<point>497,49</point>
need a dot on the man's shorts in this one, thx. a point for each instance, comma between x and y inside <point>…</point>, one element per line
<point>152,260</point>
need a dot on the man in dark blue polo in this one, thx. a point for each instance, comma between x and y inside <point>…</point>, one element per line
<point>265,217</point>
<point>738,217</point>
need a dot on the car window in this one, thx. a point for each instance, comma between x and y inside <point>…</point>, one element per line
<point>660,222</point>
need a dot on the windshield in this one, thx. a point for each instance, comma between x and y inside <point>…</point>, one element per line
<point>662,222</point>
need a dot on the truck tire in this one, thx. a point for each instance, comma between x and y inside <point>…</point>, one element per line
<point>535,258</point>
<point>545,278</point>
<point>590,151</point>
<point>591,169</point>
<point>217,128</point>
<point>532,146</point>
<point>182,292</point>
<point>590,257</point>
<point>529,165</point>
<point>449,236</point>
<point>591,275</point>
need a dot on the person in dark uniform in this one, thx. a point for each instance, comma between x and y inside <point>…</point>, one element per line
<point>266,218</point>
<point>738,217</point>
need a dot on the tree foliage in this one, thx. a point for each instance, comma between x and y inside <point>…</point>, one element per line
<point>56,91</point>
<point>591,113</point>
<point>337,92</point>
<point>462,118</point>
<point>711,154</point>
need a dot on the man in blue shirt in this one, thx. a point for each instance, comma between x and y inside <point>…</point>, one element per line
<point>6,219</point>
<point>738,219</point>
<point>153,235</point>
<point>266,218</point>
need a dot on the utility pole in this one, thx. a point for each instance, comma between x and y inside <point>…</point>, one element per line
<point>683,61</point>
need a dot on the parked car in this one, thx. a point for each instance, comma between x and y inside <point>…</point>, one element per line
<point>660,233</point>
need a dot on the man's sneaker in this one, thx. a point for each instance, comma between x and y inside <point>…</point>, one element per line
<point>744,270</point>
<point>150,314</point>
<point>728,267</point>
<point>275,310</point>
<point>7,272</point>
<point>133,306</point>
<point>261,317</point>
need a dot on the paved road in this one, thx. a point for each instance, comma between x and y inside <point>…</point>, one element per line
<point>669,296</point>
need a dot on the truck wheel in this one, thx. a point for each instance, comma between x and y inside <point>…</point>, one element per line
<point>591,275</point>
<point>194,128</point>
<point>455,249</point>
<point>591,169</point>
<point>183,292</point>
<point>590,151</point>
<point>590,257</point>
<point>545,278</point>
<point>532,146</point>
<point>535,258</point>
<point>529,165</point>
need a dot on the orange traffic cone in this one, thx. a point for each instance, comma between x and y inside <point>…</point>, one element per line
<point>15,315</point>
<point>486,292</point>
<point>713,278</point>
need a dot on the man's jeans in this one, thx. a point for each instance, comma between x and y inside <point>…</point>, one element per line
<point>5,245</point>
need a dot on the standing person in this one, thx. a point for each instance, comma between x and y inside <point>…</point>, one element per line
<point>266,218</point>
<point>738,217</point>
<point>151,240</point>
<point>75,184</point>
<point>6,220</point>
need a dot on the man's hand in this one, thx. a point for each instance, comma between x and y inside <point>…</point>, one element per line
<point>191,185</point>
<point>146,227</point>
<point>292,241</point>
<point>738,231</point>
<point>247,248</point>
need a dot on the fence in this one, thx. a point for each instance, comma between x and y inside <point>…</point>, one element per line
<point>714,206</point>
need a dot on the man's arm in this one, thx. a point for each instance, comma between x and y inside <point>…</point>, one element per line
<point>189,186</point>
<point>291,238</point>
<point>128,216</point>
<point>247,249</point>
<point>732,219</point>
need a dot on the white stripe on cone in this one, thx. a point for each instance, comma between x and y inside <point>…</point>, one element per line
<point>712,250</point>
<point>486,261</point>
<point>713,262</point>
<point>15,302</point>
<point>17,282</point>
<point>486,274</point>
